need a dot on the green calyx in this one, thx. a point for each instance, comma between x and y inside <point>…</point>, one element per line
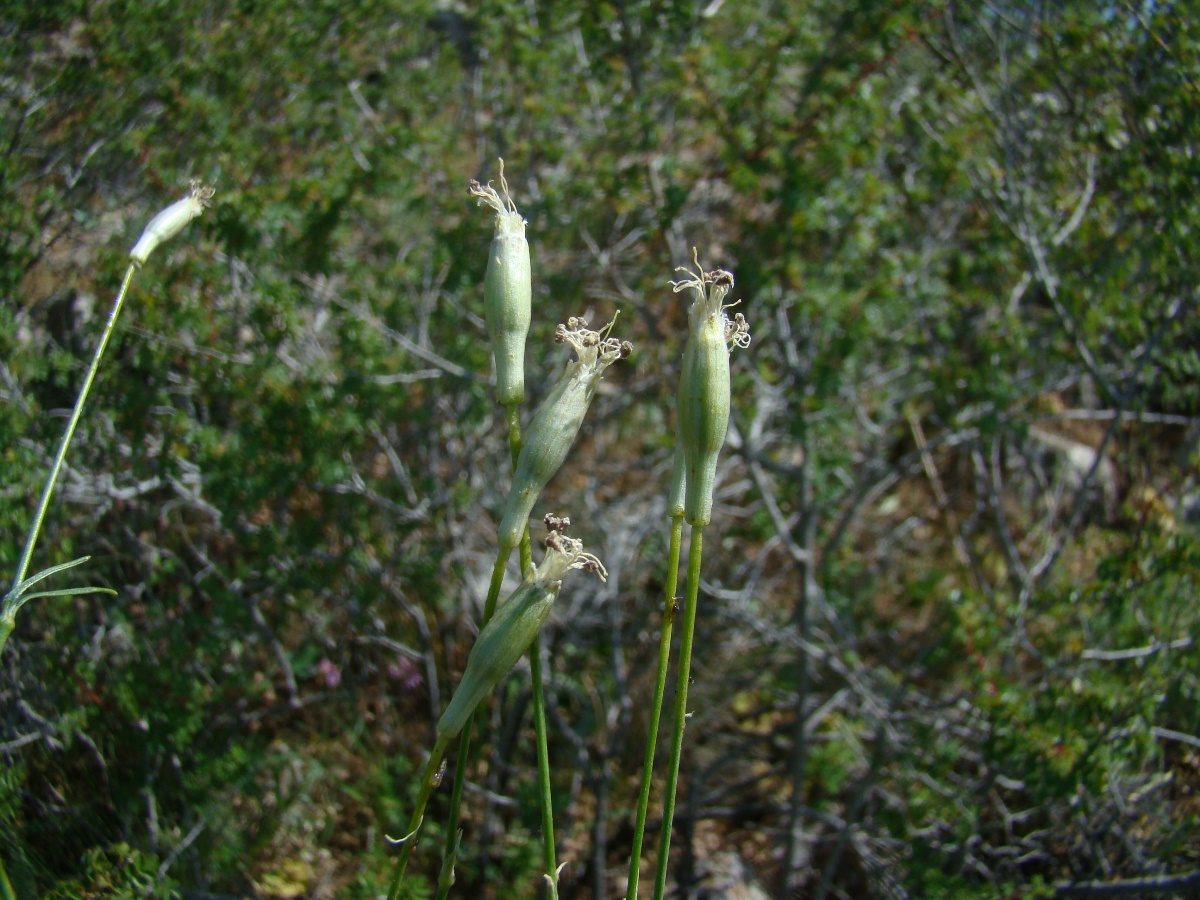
<point>552,432</point>
<point>514,626</point>
<point>507,291</point>
<point>704,389</point>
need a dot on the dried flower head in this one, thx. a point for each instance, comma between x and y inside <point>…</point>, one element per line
<point>507,217</point>
<point>563,554</point>
<point>711,289</point>
<point>592,348</point>
<point>556,523</point>
<point>172,220</point>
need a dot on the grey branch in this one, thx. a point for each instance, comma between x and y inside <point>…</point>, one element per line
<point>1157,884</point>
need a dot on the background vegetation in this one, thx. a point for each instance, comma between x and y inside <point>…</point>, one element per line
<point>946,644</point>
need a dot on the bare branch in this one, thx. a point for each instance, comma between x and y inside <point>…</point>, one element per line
<point>1157,884</point>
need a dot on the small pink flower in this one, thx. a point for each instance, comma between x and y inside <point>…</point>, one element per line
<point>329,672</point>
<point>405,671</point>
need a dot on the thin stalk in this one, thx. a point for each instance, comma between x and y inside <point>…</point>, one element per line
<point>514,450</point>
<point>660,686</point>
<point>549,856</point>
<point>450,853</point>
<point>526,564</point>
<point>428,781</point>
<point>35,527</point>
<point>539,725</point>
<point>680,717</point>
<point>464,748</point>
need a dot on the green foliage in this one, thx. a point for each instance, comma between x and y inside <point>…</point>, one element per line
<point>118,872</point>
<point>289,462</point>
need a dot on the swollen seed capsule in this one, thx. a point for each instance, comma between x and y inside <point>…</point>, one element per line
<point>512,629</point>
<point>507,292</point>
<point>557,421</point>
<point>703,416</point>
<point>500,644</point>
<point>704,388</point>
<point>171,221</point>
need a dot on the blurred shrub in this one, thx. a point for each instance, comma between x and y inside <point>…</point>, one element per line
<point>288,467</point>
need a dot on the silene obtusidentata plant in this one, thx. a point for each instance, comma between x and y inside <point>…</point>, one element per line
<point>500,644</point>
<point>702,420</point>
<point>512,629</point>
<point>160,229</point>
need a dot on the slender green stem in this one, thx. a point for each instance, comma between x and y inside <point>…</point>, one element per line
<point>428,781</point>
<point>681,691</point>
<point>660,686</point>
<point>514,433</point>
<point>6,889</point>
<point>514,450</point>
<point>18,594</point>
<point>539,697</point>
<point>446,876</point>
<point>450,853</point>
<point>489,605</point>
<point>35,527</point>
<point>539,725</point>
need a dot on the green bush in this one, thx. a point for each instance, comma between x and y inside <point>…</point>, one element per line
<point>288,463</point>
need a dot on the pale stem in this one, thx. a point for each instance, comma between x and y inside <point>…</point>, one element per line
<point>44,503</point>
<point>660,686</point>
<point>680,718</point>
<point>539,698</point>
<point>428,781</point>
<point>464,740</point>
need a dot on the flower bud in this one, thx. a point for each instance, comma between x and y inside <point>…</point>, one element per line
<point>507,291</point>
<point>704,387</point>
<point>512,629</point>
<point>550,435</point>
<point>171,221</point>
